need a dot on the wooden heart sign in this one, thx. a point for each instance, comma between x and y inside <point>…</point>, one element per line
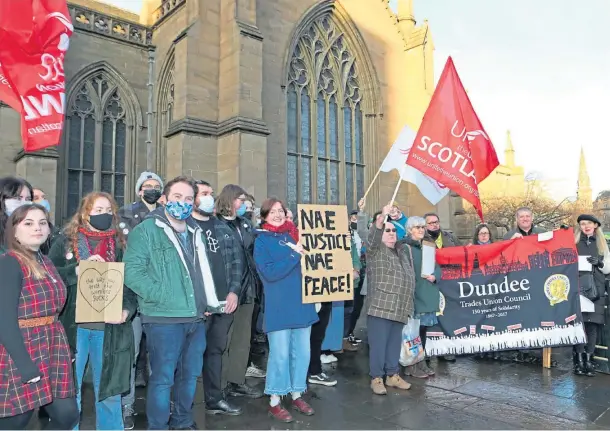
<point>100,292</point>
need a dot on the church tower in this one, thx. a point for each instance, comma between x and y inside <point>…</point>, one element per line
<point>584,192</point>
<point>509,151</point>
<point>406,19</point>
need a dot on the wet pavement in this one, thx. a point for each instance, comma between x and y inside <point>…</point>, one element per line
<point>468,394</point>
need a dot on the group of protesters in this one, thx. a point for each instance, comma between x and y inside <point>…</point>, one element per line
<point>201,272</point>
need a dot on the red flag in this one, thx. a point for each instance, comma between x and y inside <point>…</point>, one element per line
<point>35,37</point>
<point>452,146</point>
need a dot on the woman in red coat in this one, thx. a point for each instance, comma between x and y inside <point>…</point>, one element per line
<point>35,358</point>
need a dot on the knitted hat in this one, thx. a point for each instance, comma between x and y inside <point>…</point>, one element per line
<point>145,176</point>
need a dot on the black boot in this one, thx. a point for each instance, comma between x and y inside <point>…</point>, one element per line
<point>579,366</point>
<point>589,369</point>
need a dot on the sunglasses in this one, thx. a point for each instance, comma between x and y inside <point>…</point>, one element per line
<point>390,230</point>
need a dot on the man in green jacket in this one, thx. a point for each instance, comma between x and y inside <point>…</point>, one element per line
<point>167,266</point>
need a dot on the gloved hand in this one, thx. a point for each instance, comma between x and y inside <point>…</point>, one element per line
<point>595,261</point>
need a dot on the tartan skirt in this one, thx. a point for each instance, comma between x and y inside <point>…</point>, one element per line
<point>48,347</point>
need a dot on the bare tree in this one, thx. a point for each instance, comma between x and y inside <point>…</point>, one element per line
<point>548,214</point>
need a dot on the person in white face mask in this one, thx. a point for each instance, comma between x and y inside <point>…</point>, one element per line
<point>14,192</point>
<point>225,256</point>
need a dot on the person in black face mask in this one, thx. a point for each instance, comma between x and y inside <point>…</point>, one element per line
<point>149,189</point>
<point>93,235</point>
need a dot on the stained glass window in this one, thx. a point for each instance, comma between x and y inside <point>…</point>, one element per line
<point>96,143</point>
<point>324,116</point>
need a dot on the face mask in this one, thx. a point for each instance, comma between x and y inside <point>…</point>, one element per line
<point>434,233</point>
<point>179,210</point>
<point>354,225</point>
<point>101,221</point>
<point>206,204</point>
<point>45,204</point>
<point>151,196</point>
<point>10,205</point>
<point>241,210</point>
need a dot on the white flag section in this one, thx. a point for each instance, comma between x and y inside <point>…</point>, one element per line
<point>397,159</point>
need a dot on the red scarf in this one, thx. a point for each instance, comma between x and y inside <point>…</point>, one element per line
<point>106,246</point>
<point>288,227</point>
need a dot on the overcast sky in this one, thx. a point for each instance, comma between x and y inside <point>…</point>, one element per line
<point>539,68</point>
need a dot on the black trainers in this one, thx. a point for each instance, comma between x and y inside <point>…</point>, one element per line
<point>353,339</point>
<point>244,391</point>
<point>321,379</point>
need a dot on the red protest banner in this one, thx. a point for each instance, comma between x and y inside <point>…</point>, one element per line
<point>451,146</point>
<point>35,36</point>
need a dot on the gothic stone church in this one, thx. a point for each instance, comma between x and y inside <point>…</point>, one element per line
<point>296,99</point>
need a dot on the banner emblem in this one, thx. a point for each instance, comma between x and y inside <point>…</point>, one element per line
<point>556,288</point>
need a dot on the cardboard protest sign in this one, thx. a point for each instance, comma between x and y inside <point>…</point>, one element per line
<point>327,263</point>
<point>100,292</point>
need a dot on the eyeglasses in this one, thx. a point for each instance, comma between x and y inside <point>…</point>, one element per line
<point>150,187</point>
<point>390,230</point>
<point>433,223</point>
<point>484,233</point>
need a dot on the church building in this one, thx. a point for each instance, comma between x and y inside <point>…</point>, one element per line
<point>295,99</point>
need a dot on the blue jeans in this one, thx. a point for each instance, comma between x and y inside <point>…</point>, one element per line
<point>289,354</point>
<point>90,348</point>
<point>176,353</point>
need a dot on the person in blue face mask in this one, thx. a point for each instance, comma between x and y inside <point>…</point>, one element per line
<point>168,267</point>
<point>40,198</point>
<point>238,362</point>
<point>226,258</point>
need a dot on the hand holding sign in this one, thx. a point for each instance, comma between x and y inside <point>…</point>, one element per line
<point>328,273</point>
<point>96,258</point>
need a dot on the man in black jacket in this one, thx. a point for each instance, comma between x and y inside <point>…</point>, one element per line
<point>225,255</point>
<point>149,189</point>
<point>237,363</point>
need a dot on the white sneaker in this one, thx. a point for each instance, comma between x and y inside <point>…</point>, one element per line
<point>254,371</point>
<point>328,359</point>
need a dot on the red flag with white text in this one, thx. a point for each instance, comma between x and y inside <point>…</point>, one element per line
<point>35,36</point>
<point>452,146</point>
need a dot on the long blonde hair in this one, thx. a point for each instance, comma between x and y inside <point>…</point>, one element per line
<point>600,241</point>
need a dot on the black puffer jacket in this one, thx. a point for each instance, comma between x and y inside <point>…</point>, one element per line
<point>588,247</point>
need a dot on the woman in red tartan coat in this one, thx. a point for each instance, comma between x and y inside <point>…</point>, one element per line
<point>35,358</point>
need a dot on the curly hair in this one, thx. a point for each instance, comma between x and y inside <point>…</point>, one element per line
<point>81,217</point>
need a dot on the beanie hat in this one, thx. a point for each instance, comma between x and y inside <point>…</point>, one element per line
<point>145,176</point>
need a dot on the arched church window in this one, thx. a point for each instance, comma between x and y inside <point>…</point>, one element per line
<point>96,142</point>
<point>165,108</point>
<point>324,120</point>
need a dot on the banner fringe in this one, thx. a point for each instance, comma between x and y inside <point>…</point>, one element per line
<point>566,335</point>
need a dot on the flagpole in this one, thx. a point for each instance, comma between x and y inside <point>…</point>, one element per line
<point>372,182</point>
<point>402,171</point>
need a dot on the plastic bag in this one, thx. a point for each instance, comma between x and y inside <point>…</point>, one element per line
<point>411,351</point>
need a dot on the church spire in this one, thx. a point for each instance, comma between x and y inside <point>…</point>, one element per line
<point>509,151</point>
<point>584,192</point>
<point>405,16</point>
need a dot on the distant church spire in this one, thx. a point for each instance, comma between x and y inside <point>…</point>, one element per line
<point>509,151</point>
<point>584,192</point>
